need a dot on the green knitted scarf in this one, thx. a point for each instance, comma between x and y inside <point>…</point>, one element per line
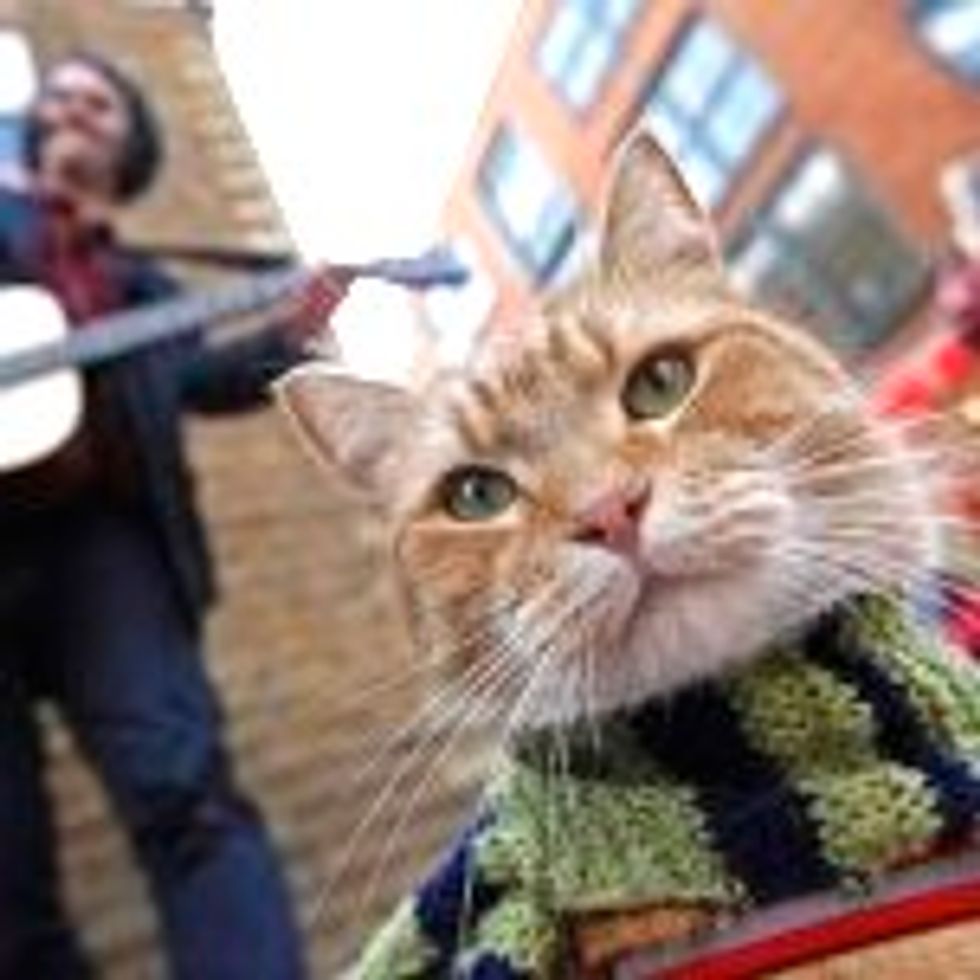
<point>822,763</point>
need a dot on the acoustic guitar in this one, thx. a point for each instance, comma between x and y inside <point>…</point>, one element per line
<point>42,357</point>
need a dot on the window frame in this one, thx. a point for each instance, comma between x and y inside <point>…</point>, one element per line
<point>849,342</point>
<point>915,15</point>
<point>617,38</point>
<point>642,110</point>
<point>516,246</point>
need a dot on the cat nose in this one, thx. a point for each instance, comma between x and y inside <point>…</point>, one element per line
<point>613,519</point>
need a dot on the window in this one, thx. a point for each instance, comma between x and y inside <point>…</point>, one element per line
<point>18,83</point>
<point>531,205</point>
<point>951,30</point>
<point>709,106</point>
<point>823,248</point>
<point>580,46</point>
<point>580,256</point>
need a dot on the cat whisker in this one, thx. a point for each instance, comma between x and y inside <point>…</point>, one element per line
<point>426,717</point>
<point>855,400</point>
<point>828,449</point>
<point>869,573</point>
<point>967,569</point>
<point>875,540</point>
<point>799,472</point>
<point>930,463</point>
<point>947,512</point>
<point>455,688</point>
<point>835,407</point>
<point>866,517</point>
<point>926,420</point>
<point>791,445</point>
<point>808,588</point>
<point>920,537</point>
<point>571,707</point>
<point>506,671</point>
<point>592,712</point>
<point>883,498</point>
<point>336,704</point>
<point>475,712</point>
<point>545,646</point>
<point>561,786</point>
<point>479,676</point>
<point>860,542</point>
<point>474,627</point>
<point>545,655</point>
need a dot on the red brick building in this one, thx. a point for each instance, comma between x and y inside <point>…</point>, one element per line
<point>815,130</point>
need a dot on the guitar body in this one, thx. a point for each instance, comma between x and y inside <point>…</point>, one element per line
<point>40,415</point>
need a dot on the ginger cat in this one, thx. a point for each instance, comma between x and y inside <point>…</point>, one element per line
<point>663,528</point>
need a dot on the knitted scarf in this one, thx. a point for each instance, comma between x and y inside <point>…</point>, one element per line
<point>822,763</point>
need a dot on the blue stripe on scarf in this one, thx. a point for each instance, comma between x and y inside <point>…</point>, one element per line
<point>454,896</point>
<point>757,820</point>
<point>492,967</point>
<point>900,733</point>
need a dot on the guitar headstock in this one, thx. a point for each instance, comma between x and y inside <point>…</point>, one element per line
<point>437,266</point>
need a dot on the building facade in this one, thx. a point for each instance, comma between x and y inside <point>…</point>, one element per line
<point>309,620</point>
<point>814,131</point>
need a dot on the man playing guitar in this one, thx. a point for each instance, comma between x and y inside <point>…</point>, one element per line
<point>104,573</point>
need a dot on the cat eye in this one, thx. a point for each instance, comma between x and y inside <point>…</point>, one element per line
<point>477,493</point>
<point>657,385</point>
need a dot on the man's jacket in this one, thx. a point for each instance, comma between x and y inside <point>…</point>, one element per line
<point>154,388</point>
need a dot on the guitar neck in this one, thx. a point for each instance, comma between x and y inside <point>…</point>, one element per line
<point>123,333</point>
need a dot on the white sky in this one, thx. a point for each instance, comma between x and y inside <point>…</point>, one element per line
<point>360,112</point>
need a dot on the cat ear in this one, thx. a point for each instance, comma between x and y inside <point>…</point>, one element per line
<point>349,422</point>
<point>653,225</point>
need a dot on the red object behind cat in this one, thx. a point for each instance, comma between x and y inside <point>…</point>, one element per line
<point>923,384</point>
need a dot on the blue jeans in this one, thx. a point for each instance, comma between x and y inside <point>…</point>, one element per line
<point>88,619</point>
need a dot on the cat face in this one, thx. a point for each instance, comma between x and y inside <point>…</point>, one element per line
<point>641,487</point>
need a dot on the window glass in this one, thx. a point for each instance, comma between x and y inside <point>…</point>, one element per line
<point>824,248</point>
<point>529,202</point>
<point>710,105</point>
<point>951,30</point>
<point>580,46</point>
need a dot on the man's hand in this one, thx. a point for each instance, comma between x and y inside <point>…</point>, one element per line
<point>306,314</point>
